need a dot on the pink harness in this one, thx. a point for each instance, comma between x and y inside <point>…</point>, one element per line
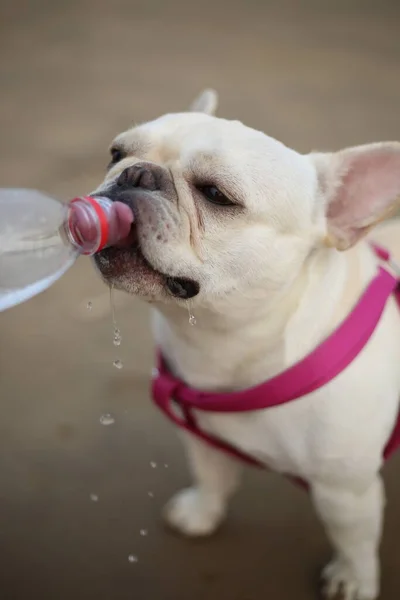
<point>322,365</point>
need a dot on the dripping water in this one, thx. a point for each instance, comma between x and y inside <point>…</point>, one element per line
<point>192,318</point>
<point>117,337</point>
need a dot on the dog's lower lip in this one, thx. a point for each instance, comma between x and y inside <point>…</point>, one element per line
<point>179,287</point>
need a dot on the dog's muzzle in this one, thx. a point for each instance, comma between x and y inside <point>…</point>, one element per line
<point>150,178</point>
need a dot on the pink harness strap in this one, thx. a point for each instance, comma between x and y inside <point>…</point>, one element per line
<point>322,365</point>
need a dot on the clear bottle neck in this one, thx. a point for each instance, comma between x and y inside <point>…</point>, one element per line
<point>95,223</point>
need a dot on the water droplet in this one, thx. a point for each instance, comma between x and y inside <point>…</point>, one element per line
<point>166,465</point>
<point>117,337</point>
<point>155,372</point>
<point>107,419</point>
<point>192,318</point>
<point>94,497</point>
<point>89,305</point>
<point>133,558</point>
<point>112,305</point>
<point>153,464</point>
<point>150,494</point>
<point>143,532</point>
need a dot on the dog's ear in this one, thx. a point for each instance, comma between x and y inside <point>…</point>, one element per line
<point>361,187</point>
<point>206,103</point>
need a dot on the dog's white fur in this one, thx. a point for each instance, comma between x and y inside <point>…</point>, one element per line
<point>273,285</point>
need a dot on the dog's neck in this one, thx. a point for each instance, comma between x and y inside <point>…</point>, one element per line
<point>239,346</point>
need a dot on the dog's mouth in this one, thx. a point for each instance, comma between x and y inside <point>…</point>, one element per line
<point>127,260</point>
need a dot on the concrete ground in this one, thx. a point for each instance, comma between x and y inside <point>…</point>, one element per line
<point>72,75</point>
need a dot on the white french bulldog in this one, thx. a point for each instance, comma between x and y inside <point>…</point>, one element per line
<point>260,244</point>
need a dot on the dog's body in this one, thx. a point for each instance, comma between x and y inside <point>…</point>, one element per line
<point>266,287</point>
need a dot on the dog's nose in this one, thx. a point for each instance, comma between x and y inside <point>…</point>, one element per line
<point>140,176</point>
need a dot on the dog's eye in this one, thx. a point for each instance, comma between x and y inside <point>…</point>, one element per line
<point>214,195</point>
<point>116,155</point>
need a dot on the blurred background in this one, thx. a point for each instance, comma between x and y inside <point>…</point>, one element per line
<point>74,494</point>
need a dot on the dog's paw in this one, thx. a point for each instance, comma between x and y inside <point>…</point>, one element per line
<point>194,513</point>
<point>340,582</point>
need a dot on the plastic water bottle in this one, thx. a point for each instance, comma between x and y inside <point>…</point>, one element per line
<point>40,238</point>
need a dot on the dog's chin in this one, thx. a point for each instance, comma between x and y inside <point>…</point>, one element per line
<point>128,270</point>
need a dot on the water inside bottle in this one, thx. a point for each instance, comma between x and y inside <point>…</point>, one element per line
<point>33,251</point>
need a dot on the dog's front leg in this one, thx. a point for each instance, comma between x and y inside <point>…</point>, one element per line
<point>198,510</point>
<point>353,520</point>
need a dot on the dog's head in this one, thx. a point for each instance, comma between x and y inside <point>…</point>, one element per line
<point>224,213</point>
